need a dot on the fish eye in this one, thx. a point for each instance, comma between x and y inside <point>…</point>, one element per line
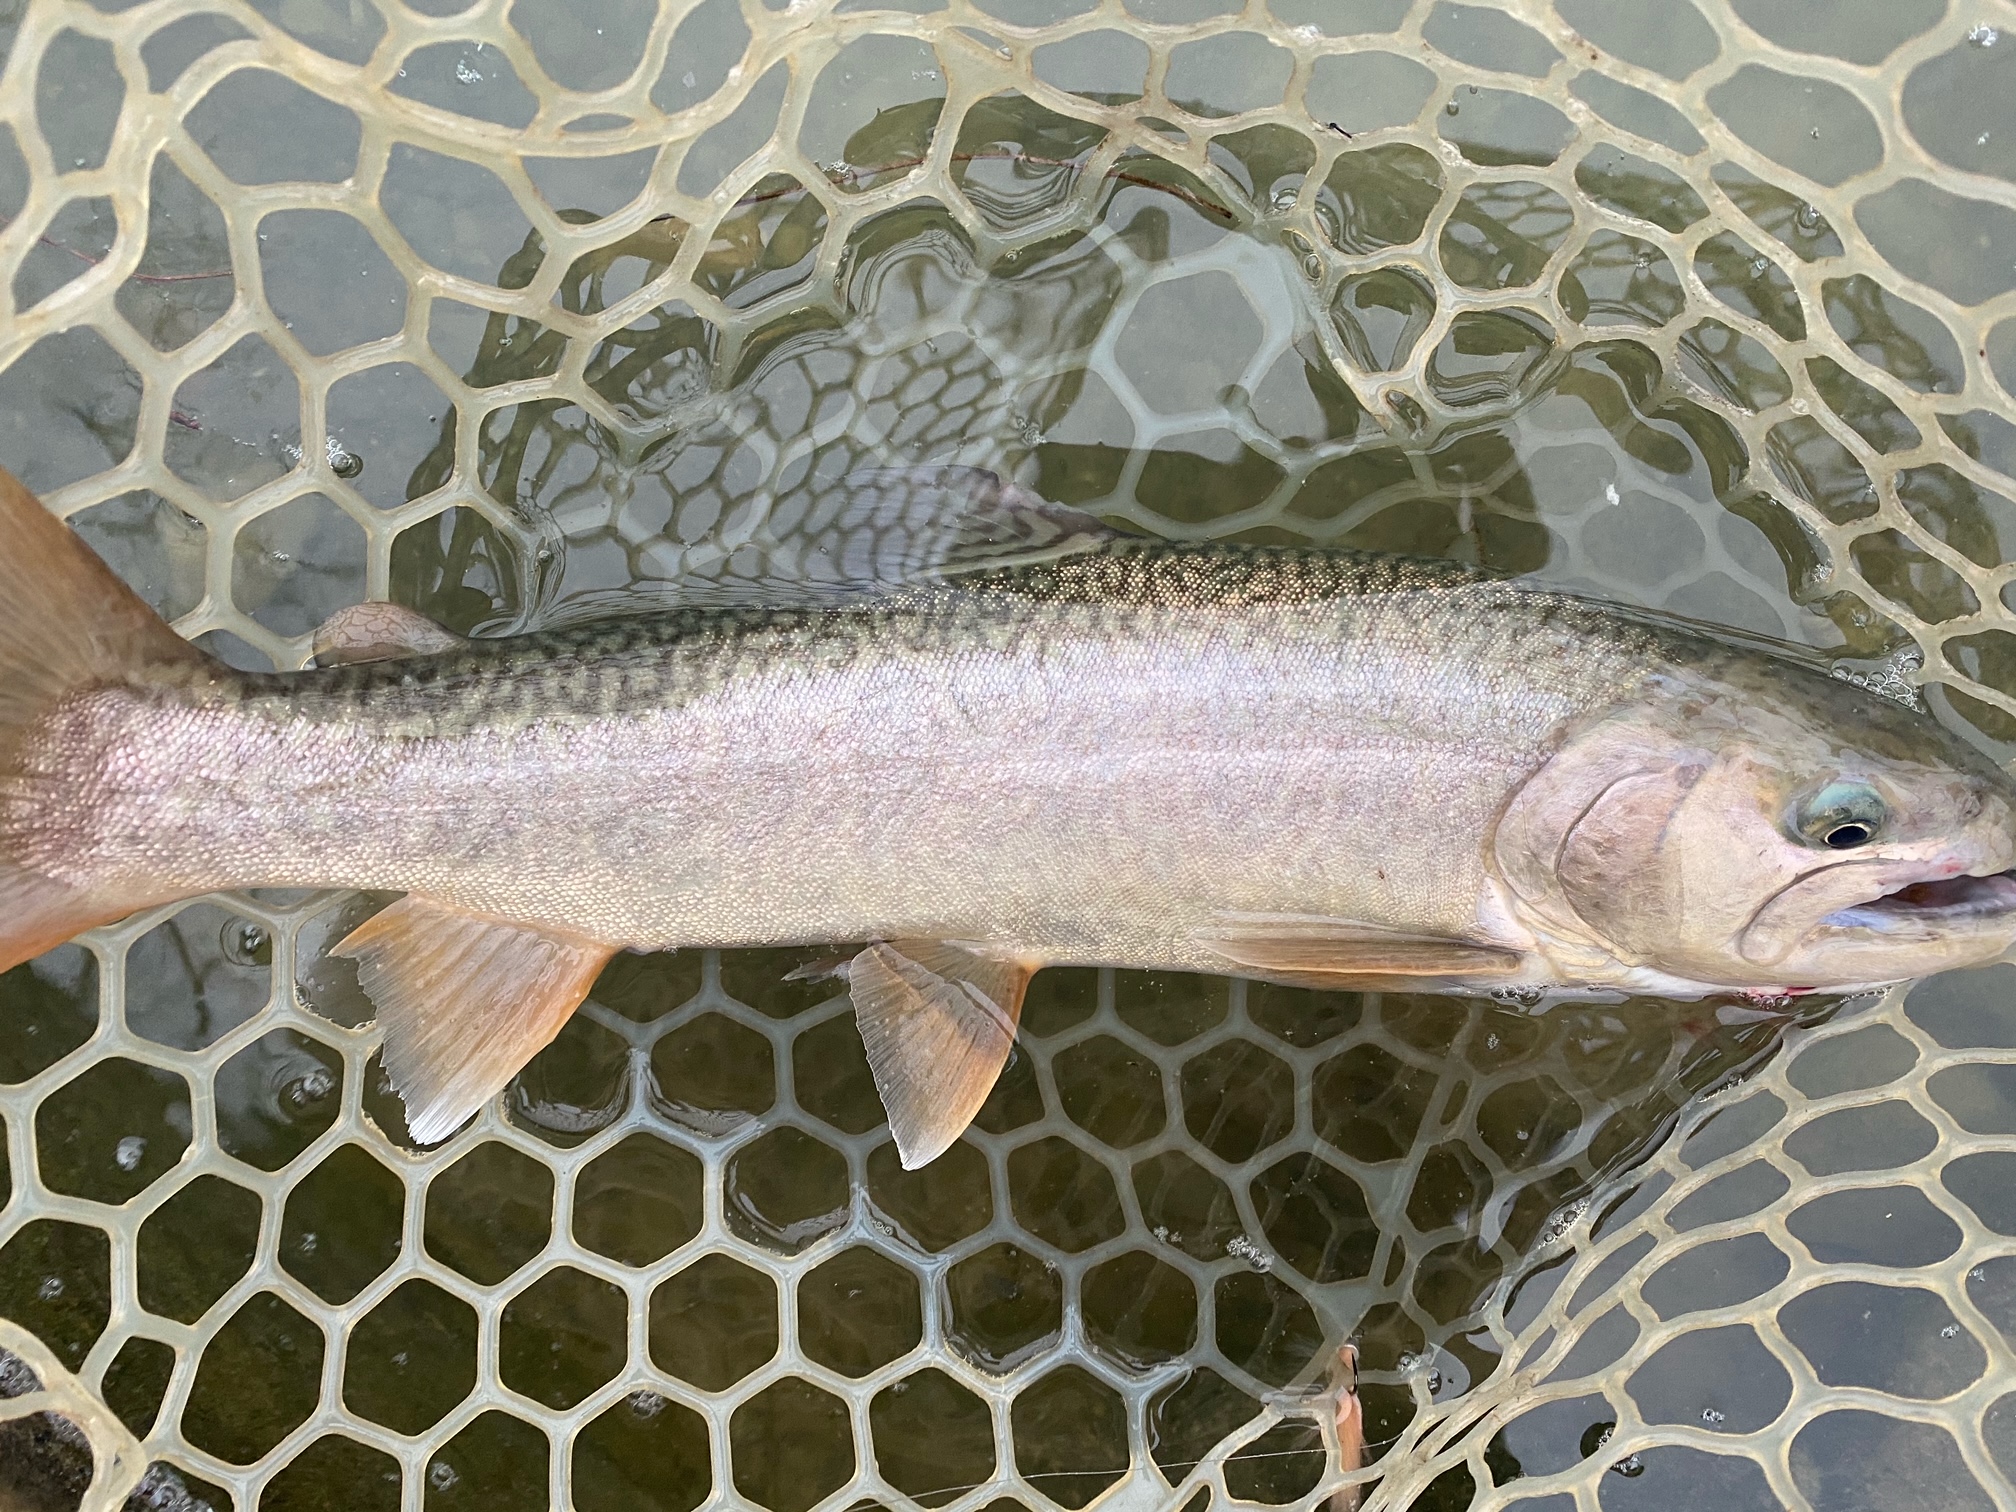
<point>1841,815</point>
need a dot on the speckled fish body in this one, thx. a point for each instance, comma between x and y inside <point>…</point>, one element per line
<point>1317,768</point>
<point>1083,760</point>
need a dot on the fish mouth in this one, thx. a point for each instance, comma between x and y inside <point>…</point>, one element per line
<point>1921,907</point>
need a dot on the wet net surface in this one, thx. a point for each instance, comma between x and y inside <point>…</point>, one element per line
<point>516,313</point>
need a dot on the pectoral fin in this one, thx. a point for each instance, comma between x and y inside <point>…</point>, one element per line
<point>938,1023</point>
<point>379,632</point>
<point>465,1001</point>
<point>1341,953</point>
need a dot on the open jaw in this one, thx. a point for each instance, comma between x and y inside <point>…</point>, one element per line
<point>1919,906</point>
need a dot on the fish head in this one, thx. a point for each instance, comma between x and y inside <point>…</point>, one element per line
<point>1767,828</point>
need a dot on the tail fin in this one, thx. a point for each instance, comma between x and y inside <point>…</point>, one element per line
<point>66,623</point>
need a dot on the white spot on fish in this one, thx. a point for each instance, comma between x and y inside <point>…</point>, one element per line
<point>465,72</point>
<point>1610,494</point>
<point>441,1475</point>
<point>132,1149</point>
<point>1984,35</point>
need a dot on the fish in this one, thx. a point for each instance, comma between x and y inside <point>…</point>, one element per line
<point>968,733</point>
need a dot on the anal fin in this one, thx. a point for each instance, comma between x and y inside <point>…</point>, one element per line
<point>938,1023</point>
<point>1339,952</point>
<point>465,1001</point>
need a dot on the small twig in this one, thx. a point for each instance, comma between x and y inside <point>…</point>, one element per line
<point>94,260</point>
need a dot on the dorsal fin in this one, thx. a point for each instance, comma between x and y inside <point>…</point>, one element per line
<point>379,632</point>
<point>884,528</point>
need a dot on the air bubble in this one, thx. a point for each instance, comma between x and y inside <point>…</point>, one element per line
<point>1808,217</point>
<point>466,72</point>
<point>245,943</point>
<point>1950,1331</point>
<point>1242,1248</point>
<point>1630,1467</point>
<point>645,1404</point>
<point>342,461</point>
<point>306,1091</point>
<point>130,1152</point>
<point>1711,1417</point>
<point>1451,108</point>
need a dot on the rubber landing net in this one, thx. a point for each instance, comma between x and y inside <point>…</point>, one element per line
<point>516,312</point>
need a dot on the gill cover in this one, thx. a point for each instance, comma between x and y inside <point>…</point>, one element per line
<point>1580,844</point>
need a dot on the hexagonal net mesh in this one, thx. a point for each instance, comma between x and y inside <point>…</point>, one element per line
<point>516,312</point>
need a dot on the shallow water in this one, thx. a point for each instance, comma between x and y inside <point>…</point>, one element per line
<point>1617,327</point>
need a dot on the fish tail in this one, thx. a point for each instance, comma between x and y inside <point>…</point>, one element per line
<point>67,624</point>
